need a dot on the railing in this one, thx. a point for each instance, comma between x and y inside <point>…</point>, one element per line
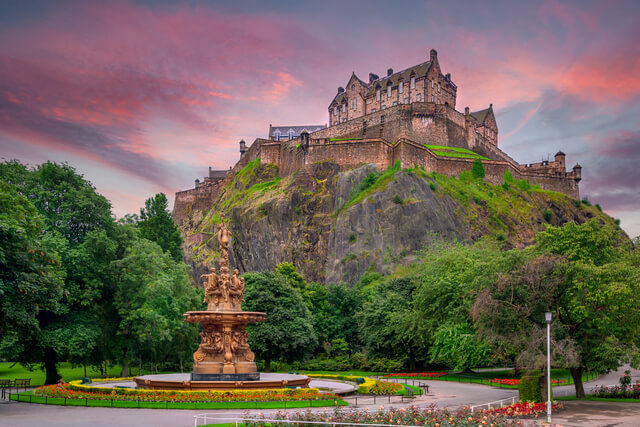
<point>205,418</point>
<point>501,402</point>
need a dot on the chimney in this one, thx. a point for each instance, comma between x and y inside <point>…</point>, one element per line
<point>389,72</point>
<point>243,148</point>
<point>466,112</point>
<point>433,55</point>
<point>340,89</point>
<point>448,76</point>
<point>209,171</point>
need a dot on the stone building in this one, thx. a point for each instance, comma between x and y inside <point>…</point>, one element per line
<point>407,117</point>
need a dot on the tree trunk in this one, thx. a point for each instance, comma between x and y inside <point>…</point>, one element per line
<point>267,365</point>
<point>125,365</point>
<point>468,370</point>
<point>181,370</point>
<point>50,361</point>
<point>576,373</point>
<point>517,372</point>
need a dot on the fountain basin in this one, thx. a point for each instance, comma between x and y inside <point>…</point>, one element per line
<point>184,382</point>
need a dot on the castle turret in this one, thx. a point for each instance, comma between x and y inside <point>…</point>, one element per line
<point>243,147</point>
<point>560,158</point>
<point>577,172</point>
<point>433,55</point>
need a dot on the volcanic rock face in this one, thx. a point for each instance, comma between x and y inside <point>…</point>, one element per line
<point>335,225</point>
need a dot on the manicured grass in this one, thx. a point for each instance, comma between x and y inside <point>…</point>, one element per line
<point>444,151</point>
<point>599,399</point>
<point>29,397</point>
<point>67,372</point>
<point>352,373</point>
<point>416,390</point>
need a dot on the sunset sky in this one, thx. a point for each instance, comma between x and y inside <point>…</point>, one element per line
<point>143,96</point>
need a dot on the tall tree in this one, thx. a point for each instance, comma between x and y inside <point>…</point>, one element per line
<point>31,280</point>
<point>156,224</point>
<point>287,333</point>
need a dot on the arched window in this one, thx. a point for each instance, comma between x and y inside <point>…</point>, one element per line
<point>276,135</point>
<point>419,97</point>
<point>290,133</point>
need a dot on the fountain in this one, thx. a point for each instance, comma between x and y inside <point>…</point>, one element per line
<point>223,359</point>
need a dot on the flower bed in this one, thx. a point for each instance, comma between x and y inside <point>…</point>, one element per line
<point>77,391</point>
<point>431,375</point>
<point>402,416</point>
<point>524,409</point>
<point>617,391</point>
<point>369,386</point>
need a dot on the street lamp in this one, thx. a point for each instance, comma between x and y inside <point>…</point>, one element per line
<point>547,317</point>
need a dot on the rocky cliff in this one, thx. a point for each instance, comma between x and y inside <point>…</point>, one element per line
<point>334,225</point>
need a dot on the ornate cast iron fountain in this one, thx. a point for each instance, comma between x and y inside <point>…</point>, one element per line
<point>224,354</point>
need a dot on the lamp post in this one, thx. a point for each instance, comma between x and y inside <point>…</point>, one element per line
<point>547,317</point>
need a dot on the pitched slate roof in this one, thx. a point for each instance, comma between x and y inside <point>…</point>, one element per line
<point>481,115</point>
<point>419,70</point>
<point>297,130</point>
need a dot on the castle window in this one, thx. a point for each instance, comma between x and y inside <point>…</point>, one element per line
<point>290,133</point>
<point>438,87</point>
<point>353,87</point>
<point>344,120</point>
<point>401,87</point>
<point>335,123</point>
<point>378,94</point>
<point>335,111</point>
<point>373,110</point>
<point>432,83</point>
<point>277,135</point>
<point>419,97</point>
<point>406,100</point>
<point>395,102</point>
<point>389,92</point>
<point>413,82</point>
<point>384,107</point>
<point>344,108</point>
<point>431,98</point>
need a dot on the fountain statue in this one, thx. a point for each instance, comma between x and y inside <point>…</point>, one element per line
<point>224,354</point>
<point>223,360</point>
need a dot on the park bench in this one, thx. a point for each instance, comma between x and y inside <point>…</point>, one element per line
<point>424,386</point>
<point>21,383</point>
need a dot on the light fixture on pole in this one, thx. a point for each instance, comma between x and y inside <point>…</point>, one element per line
<point>547,317</point>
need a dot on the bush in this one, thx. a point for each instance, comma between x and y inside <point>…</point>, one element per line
<point>547,214</point>
<point>523,184</point>
<point>529,388</point>
<point>598,207</point>
<point>397,200</point>
<point>507,177</point>
<point>586,201</point>
<point>477,169</point>
<point>432,186</point>
<point>617,221</point>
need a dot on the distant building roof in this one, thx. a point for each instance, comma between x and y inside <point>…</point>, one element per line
<point>290,132</point>
<point>481,115</point>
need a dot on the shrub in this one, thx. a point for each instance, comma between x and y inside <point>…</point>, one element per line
<point>598,207</point>
<point>547,214</point>
<point>529,387</point>
<point>477,169</point>
<point>617,221</point>
<point>352,237</point>
<point>397,200</point>
<point>466,176</point>
<point>578,203</point>
<point>523,184</point>
<point>586,201</point>
<point>432,186</point>
<point>507,177</point>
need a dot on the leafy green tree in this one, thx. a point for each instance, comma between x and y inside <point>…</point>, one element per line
<point>156,224</point>
<point>31,280</point>
<point>287,333</point>
<point>153,293</point>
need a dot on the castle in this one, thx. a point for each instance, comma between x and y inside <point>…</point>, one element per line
<point>407,117</point>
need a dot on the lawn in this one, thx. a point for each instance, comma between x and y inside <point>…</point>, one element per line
<point>67,372</point>
<point>29,397</point>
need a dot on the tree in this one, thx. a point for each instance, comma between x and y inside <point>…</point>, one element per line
<point>477,169</point>
<point>156,224</point>
<point>31,280</point>
<point>287,333</point>
<point>587,276</point>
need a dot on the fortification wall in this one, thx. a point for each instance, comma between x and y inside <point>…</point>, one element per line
<point>350,153</point>
<point>199,199</point>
